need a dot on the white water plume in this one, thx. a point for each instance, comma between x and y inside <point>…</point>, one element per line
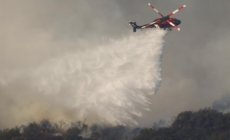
<point>108,83</point>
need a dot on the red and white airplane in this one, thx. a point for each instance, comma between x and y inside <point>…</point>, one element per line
<point>166,22</point>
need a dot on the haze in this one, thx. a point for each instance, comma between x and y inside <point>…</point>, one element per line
<point>195,67</point>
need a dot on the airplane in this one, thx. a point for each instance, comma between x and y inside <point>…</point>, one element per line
<point>166,22</point>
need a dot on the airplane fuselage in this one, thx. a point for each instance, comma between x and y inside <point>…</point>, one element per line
<point>165,22</point>
<point>162,22</point>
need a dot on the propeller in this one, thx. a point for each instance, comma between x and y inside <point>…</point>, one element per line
<point>155,9</point>
<point>173,25</point>
<point>165,18</point>
<point>133,21</point>
<point>177,10</point>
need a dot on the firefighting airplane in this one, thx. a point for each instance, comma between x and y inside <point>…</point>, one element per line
<point>166,22</point>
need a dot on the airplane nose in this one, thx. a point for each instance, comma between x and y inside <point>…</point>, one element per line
<point>178,22</point>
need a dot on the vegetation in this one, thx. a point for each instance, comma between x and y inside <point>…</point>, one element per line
<point>45,130</point>
<point>205,124</point>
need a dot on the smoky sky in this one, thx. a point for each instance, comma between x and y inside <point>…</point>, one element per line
<point>195,67</point>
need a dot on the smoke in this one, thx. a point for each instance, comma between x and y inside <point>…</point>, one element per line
<point>223,104</point>
<point>195,65</point>
<point>105,82</point>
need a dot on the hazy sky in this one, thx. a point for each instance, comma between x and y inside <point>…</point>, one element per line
<point>195,67</point>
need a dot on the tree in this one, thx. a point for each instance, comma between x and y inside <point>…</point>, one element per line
<point>8,134</point>
<point>73,134</point>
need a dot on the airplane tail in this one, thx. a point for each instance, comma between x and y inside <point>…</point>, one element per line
<point>135,26</point>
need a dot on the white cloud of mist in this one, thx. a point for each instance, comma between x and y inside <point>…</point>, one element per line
<point>110,81</point>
